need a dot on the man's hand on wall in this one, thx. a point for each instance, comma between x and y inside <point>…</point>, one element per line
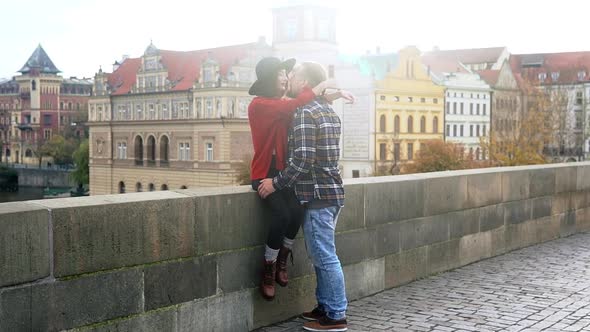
<point>265,188</point>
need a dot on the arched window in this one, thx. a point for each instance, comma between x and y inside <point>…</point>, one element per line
<point>410,124</point>
<point>164,148</point>
<point>138,187</point>
<point>121,187</point>
<point>151,149</point>
<point>396,122</point>
<point>138,151</point>
<point>164,187</point>
<point>382,123</point>
<point>183,187</point>
<point>28,153</point>
<point>435,125</point>
<point>151,187</point>
<point>423,124</point>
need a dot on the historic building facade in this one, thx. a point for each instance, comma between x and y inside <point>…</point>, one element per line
<point>467,103</point>
<point>409,110</point>
<point>40,103</point>
<point>170,120</point>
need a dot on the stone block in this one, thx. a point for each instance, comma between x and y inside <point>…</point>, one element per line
<point>562,203</point>
<point>423,231</point>
<point>353,247</point>
<point>521,235</point>
<point>228,312</point>
<point>542,182</point>
<point>583,220</point>
<point>228,220</point>
<point>364,278</point>
<point>579,199</point>
<point>475,247</point>
<point>24,243</point>
<point>289,301</point>
<point>72,303</point>
<point>171,283</point>
<point>443,256</point>
<point>484,189</point>
<point>515,185</point>
<point>157,320</point>
<point>583,178</point>
<point>461,223</point>
<point>387,239</point>
<point>445,194</point>
<point>245,266</point>
<point>517,211</point>
<point>392,201</point>
<point>498,246</point>
<point>406,266</point>
<point>566,178</point>
<point>567,224</point>
<point>352,215</point>
<point>542,207</point>
<point>547,229</point>
<point>491,217</point>
<point>121,230</point>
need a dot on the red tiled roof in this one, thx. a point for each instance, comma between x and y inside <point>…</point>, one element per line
<point>568,65</point>
<point>469,56</point>
<point>183,67</point>
<point>439,64</point>
<point>489,76</point>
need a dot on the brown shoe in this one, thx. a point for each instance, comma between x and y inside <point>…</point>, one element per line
<point>315,314</point>
<point>282,277</point>
<point>326,324</point>
<point>267,284</point>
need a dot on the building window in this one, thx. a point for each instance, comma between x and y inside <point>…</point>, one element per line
<point>410,151</point>
<point>184,151</point>
<point>382,123</point>
<point>382,98</point>
<point>423,124</point>
<point>555,75</point>
<point>121,187</point>
<point>471,108</point>
<point>422,100</point>
<point>578,98</point>
<point>410,99</point>
<point>47,134</point>
<point>435,101</point>
<point>164,187</point>
<point>395,98</point>
<point>47,119</point>
<point>484,111</point>
<point>454,130</point>
<point>461,130</point>
<point>477,131</point>
<point>483,131</point>
<point>435,125</point>
<point>209,151</point>
<point>448,130</point>
<point>165,114</point>
<point>138,113</point>
<point>138,187</point>
<point>581,75</point>
<point>209,108</point>
<point>461,108</point>
<point>164,149</point>
<point>382,151</point>
<point>410,124</point>
<point>396,124</point>
<point>152,112</point>
<point>448,107</point>
<point>454,107</point>
<point>122,150</point>
<point>471,130</point>
<point>477,109</point>
<point>542,77</point>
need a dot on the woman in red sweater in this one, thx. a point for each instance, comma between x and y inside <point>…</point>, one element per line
<point>270,115</point>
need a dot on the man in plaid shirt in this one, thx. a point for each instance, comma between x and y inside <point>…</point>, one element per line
<point>313,172</point>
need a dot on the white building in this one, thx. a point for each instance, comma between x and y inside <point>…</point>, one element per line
<point>467,103</point>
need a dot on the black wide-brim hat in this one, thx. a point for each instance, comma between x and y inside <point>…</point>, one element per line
<point>267,70</point>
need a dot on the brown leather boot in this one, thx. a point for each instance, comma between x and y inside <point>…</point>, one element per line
<point>267,284</point>
<point>282,277</point>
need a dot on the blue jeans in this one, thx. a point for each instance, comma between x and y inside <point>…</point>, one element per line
<point>319,227</point>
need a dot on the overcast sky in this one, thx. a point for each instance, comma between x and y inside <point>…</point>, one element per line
<point>81,35</point>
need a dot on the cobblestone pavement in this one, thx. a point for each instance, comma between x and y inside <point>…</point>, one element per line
<point>541,288</point>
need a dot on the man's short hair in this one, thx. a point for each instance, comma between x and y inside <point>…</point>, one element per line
<point>313,73</point>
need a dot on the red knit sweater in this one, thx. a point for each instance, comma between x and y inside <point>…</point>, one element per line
<point>270,119</point>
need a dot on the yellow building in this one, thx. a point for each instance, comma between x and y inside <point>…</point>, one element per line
<point>409,110</point>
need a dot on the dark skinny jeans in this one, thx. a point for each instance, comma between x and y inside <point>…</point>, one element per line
<point>286,213</point>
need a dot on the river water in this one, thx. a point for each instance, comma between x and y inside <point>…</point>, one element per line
<point>23,194</point>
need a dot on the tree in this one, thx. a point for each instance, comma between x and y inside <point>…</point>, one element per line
<point>81,157</point>
<point>437,155</point>
<point>59,149</point>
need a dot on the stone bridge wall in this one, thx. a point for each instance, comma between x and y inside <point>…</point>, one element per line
<point>189,260</point>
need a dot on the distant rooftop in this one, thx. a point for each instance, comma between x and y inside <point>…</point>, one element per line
<point>40,61</point>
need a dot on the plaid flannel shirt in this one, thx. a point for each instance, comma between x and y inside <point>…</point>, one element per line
<point>312,168</point>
